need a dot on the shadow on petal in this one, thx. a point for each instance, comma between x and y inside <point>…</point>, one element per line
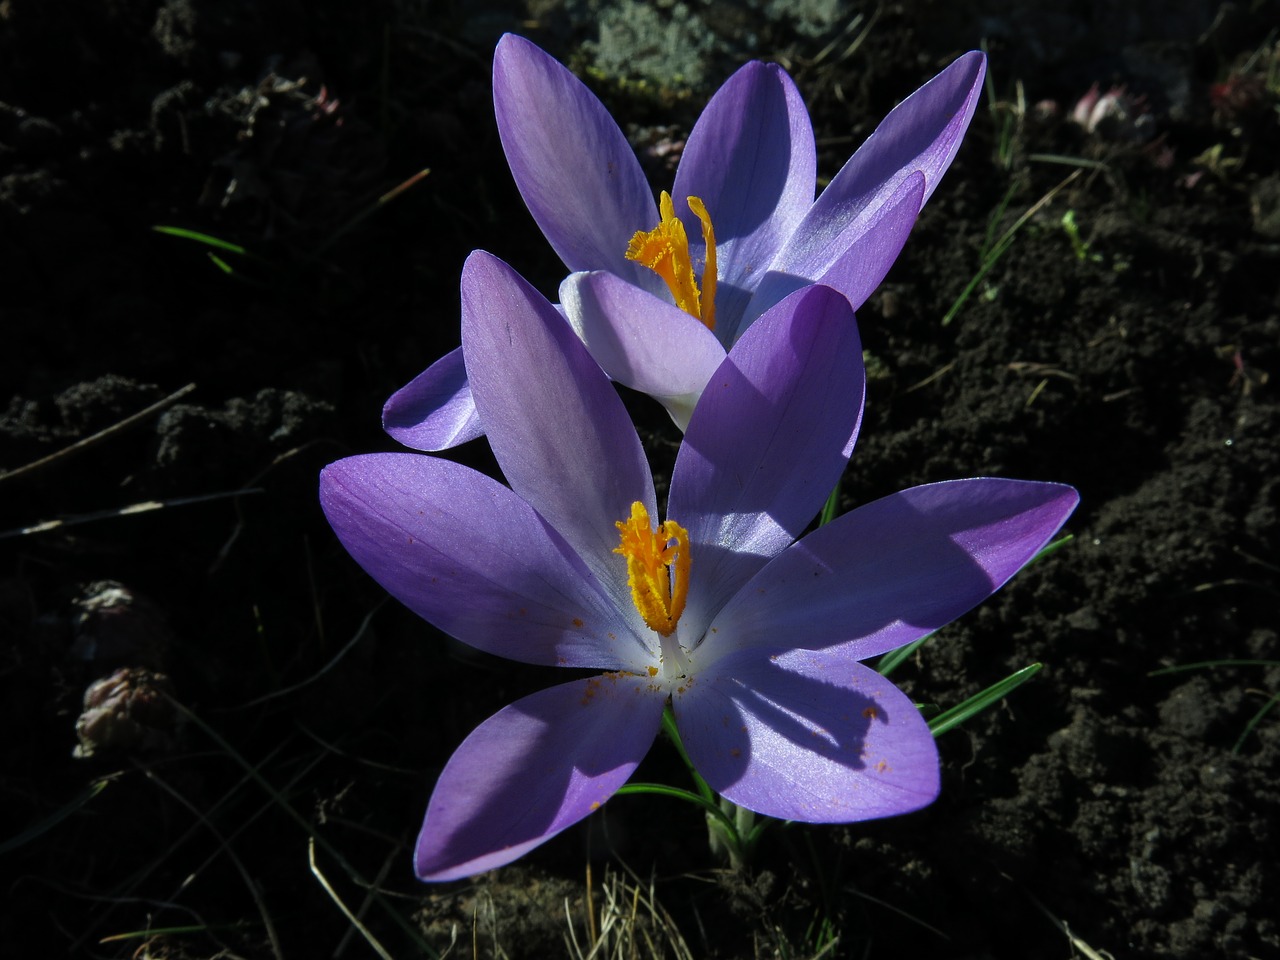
<point>808,736</point>
<point>751,159</point>
<point>768,440</point>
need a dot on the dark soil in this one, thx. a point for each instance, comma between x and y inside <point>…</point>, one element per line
<point>1099,807</point>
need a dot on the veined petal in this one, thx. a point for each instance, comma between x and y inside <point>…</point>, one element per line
<point>434,410</point>
<point>921,134</point>
<point>808,735</point>
<point>751,159</point>
<point>465,553</point>
<point>896,569</point>
<point>641,340</point>
<point>556,424</point>
<point>868,256</point>
<point>857,260</point>
<point>533,769</point>
<point>767,442</point>
<point>575,170</point>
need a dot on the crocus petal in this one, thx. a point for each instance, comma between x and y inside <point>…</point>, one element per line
<point>859,258</point>
<point>879,239</point>
<point>921,134</point>
<point>557,426</point>
<point>573,167</point>
<point>767,442</point>
<point>533,769</point>
<point>894,570</point>
<point>641,340</point>
<point>751,159</point>
<point>465,553</point>
<point>434,410</point>
<point>808,735</point>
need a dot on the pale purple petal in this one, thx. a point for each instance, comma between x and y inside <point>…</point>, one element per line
<point>874,245</point>
<point>533,769</point>
<point>922,134</point>
<point>752,161</point>
<point>808,735</point>
<point>574,168</point>
<point>556,424</point>
<point>434,410</point>
<point>894,570</point>
<point>857,260</point>
<point>767,442</point>
<point>465,553</point>
<point>642,341</point>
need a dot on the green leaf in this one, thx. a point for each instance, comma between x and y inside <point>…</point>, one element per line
<point>979,702</point>
<point>894,658</point>
<point>830,507</point>
<point>204,238</point>
<point>1201,664</point>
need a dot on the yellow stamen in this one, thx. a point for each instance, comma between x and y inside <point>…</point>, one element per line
<point>665,251</point>
<point>657,569</point>
<point>708,315</point>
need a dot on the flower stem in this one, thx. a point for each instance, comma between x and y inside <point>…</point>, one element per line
<point>673,734</point>
<point>710,807</point>
<point>731,830</point>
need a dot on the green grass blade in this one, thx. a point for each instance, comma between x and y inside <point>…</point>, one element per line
<point>979,702</point>
<point>993,222</point>
<point>1202,664</point>
<point>1254,721</point>
<point>1003,244</point>
<point>1209,665</point>
<point>1051,548</point>
<point>991,260</point>
<point>204,238</point>
<point>830,507</point>
<point>894,658</point>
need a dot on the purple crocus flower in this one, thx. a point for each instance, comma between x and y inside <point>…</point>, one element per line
<point>754,635</point>
<point>660,292</point>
